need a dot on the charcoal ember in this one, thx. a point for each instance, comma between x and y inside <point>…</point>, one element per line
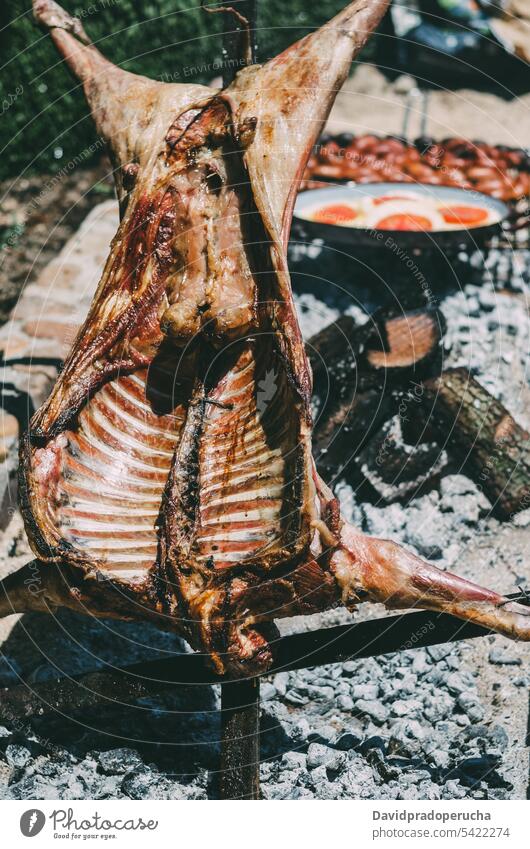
<point>118,761</point>
<point>473,771</point>
<point>375,710</point>
<point>406,737</point>
<point>17,756</point>
<point>374,742</point>
<point>356,369</point>
<point>348,741</point>
<point>376,759</point>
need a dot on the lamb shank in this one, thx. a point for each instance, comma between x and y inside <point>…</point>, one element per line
<point>159,481</point>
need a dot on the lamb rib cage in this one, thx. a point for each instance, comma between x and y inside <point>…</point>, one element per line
<point>169,475</point>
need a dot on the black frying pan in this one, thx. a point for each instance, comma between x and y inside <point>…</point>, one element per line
<point>305,229</point>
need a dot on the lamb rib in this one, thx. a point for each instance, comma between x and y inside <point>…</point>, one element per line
<point>169,475</point>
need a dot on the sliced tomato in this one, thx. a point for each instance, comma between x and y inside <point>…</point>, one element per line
<point>336,214</point>
<point>465,215</point>
<point>404,221</point>
<point>385,198</point>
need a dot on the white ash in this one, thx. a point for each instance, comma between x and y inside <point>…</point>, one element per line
<point>488,331</point>
<point>412,725</point>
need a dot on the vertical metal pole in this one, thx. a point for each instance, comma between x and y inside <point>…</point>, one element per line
<point>239,777</point>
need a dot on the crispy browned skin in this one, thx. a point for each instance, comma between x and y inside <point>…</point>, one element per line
<point>169,475</point>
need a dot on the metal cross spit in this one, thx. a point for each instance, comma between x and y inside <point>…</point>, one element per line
<point>240,705</point>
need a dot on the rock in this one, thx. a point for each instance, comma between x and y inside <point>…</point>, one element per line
<point>365,691</point>
<point>344,702</point>
<point>136,784</point>
<point>503,657</point>
<point>438,653</point>
<point>466,509</point>
<point>453,790</point>
<point>300,731</point>
<point>499,737</point>
<point>377,712</point>
<point>415,776</point>
<point>119,761</point>
<point>376,759</point>
<point>404,84</point>
<point>17,756</point>
<point>429,791</point>
<point>321,693</point>
<point>267,691</point>
<point>409,685</point>
<point>324,733</point>
<point>319,755</point>
<point>406,737</point>
<point>326,790</point>
<point>419,664</point>
<point>456,684</point>
<point>410,793</point>
<point>281,790</point>
<point>6,776</point>
<point>295,698</point>
<point>522,519</point>
<point>281,681</point>
<point>407,707</point>
<point>438,706</point>
<point>294,760</point>
<point>33,787</point>
<point>440,758</point>
<point>469,703</point>
<point>479,768</point>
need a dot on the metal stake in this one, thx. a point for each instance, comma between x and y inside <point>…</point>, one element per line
<point>239,776</point>
<point>149,678</point>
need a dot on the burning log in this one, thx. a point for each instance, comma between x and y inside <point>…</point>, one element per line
<point>477,429</point>
<point>357,371</point>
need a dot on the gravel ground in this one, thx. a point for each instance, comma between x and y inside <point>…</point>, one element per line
<point>448,722</point>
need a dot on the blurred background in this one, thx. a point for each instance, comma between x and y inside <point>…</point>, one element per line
<point>447,43</point>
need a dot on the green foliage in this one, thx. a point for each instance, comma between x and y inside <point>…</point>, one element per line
<point>44,119</point>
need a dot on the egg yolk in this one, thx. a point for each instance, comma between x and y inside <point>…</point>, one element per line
<point>404,221</point>
<point>464,214</point>
<point>337,214</point>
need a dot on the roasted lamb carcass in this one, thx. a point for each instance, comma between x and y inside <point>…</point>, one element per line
<point>159,481</point>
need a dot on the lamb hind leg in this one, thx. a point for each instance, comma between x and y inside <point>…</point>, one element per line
<point>381,571</point>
